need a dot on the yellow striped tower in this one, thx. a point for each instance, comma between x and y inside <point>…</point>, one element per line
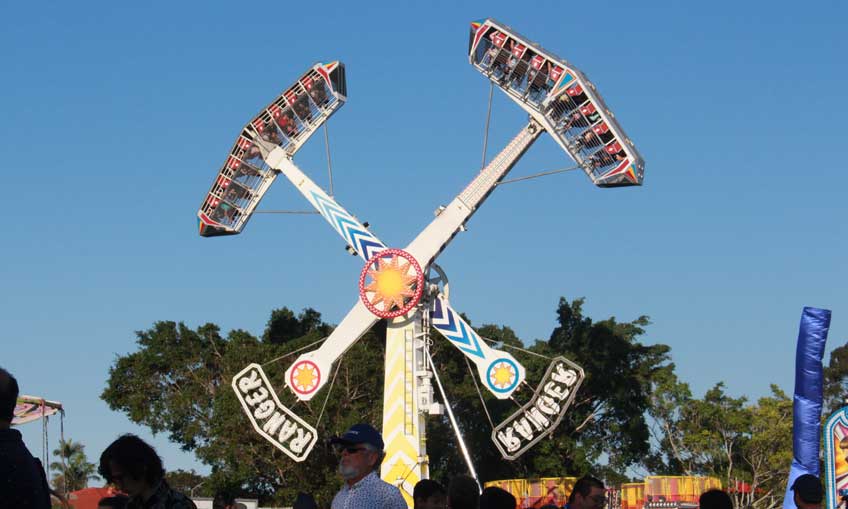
<point>406,390</point>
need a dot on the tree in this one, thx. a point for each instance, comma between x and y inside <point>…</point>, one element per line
<point>608,415</point>
<point>716,428</point>
<point>669,398</point>
<point>178,382</point>
<point>606,420</point>
<point>724,437</point>
<point>188,483</point>
<point>75,470</point>
<point>768,453</point>
<point>836,380</point>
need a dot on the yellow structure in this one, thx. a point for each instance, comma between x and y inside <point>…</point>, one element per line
<point>632,495</point>
<point>539,491</point>
<point>678,488</point>
<point>555,490</point>
<point>405,388</point>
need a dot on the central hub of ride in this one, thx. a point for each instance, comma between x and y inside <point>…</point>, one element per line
<point>391,283</point>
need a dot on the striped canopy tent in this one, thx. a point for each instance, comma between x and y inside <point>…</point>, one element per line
<point>33,408</point>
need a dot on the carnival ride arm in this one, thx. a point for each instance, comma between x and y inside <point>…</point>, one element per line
<point>351,230</point>
<point>310,371</point>
<point>500,372</point>
<point>448,322</point>
<point>436,236</point>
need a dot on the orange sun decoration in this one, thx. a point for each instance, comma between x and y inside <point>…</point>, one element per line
<point>391,282</point>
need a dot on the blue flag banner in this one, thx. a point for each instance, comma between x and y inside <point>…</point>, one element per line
<point>807,404</point>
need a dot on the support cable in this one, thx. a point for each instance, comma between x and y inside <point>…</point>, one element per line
<point>62,440</point>
<point>329,391</point>
<point>488,117</point>
<point>329,163</point>
<point>479,393</point>
<point>295,351</point>
<point>458,434</point>
<point>45,445</point>
<point>513,347</point>
<point>304,212</point>
<point>537,175</point>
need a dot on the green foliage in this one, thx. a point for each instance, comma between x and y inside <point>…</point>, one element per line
<point>631,411</point>
<point>178,382</point>
<point>188,483</point>
<point>723,437</point>
<point>836,380</point>
<point>607,417</point>
<point>74,469</point>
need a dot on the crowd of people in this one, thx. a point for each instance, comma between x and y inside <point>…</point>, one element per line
<point>133,467</point>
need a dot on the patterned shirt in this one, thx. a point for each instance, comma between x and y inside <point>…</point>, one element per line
<point>370,492</point>
<point>163,498</point>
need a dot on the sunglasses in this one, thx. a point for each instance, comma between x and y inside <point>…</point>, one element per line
<point>351,449</point>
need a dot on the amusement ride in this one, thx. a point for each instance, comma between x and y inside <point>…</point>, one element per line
<point>405,286</point>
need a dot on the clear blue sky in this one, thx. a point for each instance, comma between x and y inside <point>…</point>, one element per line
<point>115,118</point>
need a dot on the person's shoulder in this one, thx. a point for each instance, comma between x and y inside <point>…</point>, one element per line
<point>394,498</point>
<point>337,499</point>
<point>392,494</point>
<point>177,500</point>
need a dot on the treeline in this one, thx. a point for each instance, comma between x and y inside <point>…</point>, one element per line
<point>632,416</point>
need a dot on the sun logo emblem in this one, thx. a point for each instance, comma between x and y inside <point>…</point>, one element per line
<point>502,375</point>
<point>391,283</point>
<point>305,376</point>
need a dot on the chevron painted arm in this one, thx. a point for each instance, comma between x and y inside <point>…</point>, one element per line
<point>500,372</point>
<point>354,233</point>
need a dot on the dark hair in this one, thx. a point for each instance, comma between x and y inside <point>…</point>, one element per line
<point>304,501</point>
<point>463,493</point>
<point>223,499</point>
<point>135,456</point>
<point>584,486</point>
<point>8,395</point>
<point>426,488</point>
<point>496,498</point>
<point>715,499</point>
<point>117,502</point>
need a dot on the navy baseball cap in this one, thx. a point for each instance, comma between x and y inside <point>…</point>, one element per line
<point>360,434</point>
<point>809,488</point>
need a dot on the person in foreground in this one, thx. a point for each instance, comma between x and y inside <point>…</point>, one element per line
<point>497,498</point>
<point>429,494</point>
<point>361,453</point>
<point>114,502</point>
<point>808,492</point>
<point>23,484</point>
<point>715,499</point>
<point>463,493</point>
<point>588,493</point>
<point>134,467</point>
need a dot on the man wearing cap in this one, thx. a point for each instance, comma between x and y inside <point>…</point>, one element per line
<point>808,492</point>
<point>361,453</point>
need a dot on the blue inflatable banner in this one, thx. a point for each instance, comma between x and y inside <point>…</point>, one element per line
<point>807,404</point>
